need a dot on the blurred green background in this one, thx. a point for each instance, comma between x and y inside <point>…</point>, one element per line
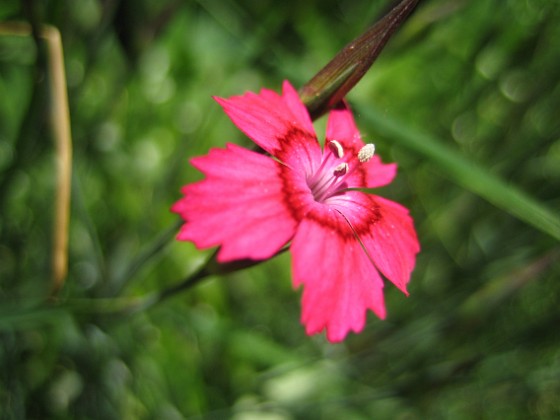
<point>465,98</point>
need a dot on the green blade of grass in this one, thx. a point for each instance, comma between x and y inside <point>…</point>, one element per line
<point>18,318</point>
<point>465,173</point>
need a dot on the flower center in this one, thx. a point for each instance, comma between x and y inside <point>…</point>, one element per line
<point>332,175</point>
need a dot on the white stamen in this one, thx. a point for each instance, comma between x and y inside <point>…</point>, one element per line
<point>341,169</point>
<point>336,148</point>
<point>366,152</point>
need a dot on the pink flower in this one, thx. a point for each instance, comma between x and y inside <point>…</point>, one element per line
<point>252,205</point>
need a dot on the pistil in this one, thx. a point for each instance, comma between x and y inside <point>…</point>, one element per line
<point>337,152</point>
<point>326,182</point>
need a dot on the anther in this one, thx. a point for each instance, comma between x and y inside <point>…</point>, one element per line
<point>336,148</point>
<point>366,152</point>
<point>341,169</point>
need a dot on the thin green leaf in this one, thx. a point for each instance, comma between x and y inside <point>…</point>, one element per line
<point>467,174</point>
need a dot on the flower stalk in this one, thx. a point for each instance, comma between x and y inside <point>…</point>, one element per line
<point>342,73</point>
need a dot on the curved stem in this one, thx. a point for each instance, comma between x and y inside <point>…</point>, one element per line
<point>211,268</point>
<point>331,84</point>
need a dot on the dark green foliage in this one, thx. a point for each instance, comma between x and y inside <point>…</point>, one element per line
<point>477,338</point>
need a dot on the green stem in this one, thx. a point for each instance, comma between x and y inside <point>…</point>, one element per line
<point>211,268</point>
<point>341,74</point>
<point>152,251</point>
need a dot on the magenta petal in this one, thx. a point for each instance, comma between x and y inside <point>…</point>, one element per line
<point>393,243</point>
<point>340,282</point>
<point>239,205</point>
<point>386,230</point>
<point>342,127</point>
<point>299,111</point>
<point>267,118</point>
<point>379,174</point>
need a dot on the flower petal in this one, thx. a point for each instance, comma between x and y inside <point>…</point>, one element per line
<point>342,127</point>
<point>238,206</point>
<point>340,282</point>
<point>386,230</point>
<point>269,118</point>
<point>379,174</point>
<point>392,242</point>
